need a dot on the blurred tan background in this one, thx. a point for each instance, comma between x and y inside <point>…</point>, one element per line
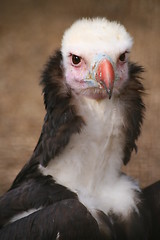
<point>30,30</point>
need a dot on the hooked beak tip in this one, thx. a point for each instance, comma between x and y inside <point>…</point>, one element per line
<point>108,90</point>
<point>109,93</point>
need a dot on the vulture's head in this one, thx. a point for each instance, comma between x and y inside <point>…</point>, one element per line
<point>95,57</point>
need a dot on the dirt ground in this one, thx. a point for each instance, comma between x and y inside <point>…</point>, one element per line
<point>30,30</point>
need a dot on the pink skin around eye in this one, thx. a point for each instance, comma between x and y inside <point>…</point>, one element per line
<point>75,74</point>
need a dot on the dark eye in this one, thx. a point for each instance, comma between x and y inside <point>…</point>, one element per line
<point>122,57</point>
<point>76,59</point>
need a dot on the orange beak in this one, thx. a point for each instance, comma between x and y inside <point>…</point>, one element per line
<point>105,75</point>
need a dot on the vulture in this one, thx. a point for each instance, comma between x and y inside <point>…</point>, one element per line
<point>73,187</point>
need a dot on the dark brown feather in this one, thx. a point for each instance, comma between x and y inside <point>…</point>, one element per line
<point>131,97</point>
<point>61,120</point>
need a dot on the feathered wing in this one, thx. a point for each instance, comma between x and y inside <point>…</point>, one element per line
<point>36,192</point>
<point>67,220</point>
<point>151,195</point>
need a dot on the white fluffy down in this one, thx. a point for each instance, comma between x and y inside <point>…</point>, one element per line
<point>99,34</point>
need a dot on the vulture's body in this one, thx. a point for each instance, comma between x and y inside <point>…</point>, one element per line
<point>73,187</point>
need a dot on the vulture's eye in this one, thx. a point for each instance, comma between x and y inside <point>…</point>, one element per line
<point>76,60</point>
<point>122,57</point>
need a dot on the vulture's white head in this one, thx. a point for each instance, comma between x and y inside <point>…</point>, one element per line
<point>95,57</point>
